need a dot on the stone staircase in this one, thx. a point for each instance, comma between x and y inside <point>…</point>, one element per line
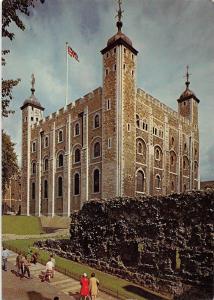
<point>61,282</point>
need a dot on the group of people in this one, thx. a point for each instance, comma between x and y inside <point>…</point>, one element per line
<point>89,287</point>
<point>23,262</point>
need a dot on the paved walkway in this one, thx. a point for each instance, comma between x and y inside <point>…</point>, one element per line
<point>33,289</point>
<point>10,236</point>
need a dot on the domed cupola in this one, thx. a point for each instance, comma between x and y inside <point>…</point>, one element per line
<point>32,100</point>
<point>187,94</point>
<point>119,38</point>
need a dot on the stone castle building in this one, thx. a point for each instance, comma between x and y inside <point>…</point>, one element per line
<point>115,141</point>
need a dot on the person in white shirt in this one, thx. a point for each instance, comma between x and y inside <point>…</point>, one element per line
<point>48,271</point>
<point>5,254</point>
<point>54,262</point>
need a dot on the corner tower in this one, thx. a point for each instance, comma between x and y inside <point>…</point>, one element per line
<point>188,108</point>
<point>32,112</point>
<point>119,110</point>
<point>188,103</point>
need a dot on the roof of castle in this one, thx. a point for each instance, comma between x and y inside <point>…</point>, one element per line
<point>187,94</point>
<point>32,101</point>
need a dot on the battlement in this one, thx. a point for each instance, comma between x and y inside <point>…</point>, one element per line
<point>163,106</point>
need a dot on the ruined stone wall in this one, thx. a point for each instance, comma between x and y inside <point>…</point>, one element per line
<point>164,243</point>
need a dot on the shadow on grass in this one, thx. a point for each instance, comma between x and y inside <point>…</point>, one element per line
<point>141,292</point>
<point>36,296</point>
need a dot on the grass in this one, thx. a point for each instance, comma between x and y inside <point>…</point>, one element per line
<point>108,283</point>
<point>21,225</point>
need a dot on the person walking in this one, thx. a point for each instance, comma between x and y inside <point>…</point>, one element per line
<point>18,264</point>
<point>54,263</point>
<point>48,271</point>
<point>34,258</point>
<point>93,286</point>
<point>84,291</point>
<point>26,263</point>
<point>5,254</point>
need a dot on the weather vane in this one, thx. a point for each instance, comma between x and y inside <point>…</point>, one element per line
<point>33,83</point>
<point>119,15</point>
<point>187,77</point>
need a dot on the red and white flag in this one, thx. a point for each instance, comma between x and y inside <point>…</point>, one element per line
<point>72,53</point>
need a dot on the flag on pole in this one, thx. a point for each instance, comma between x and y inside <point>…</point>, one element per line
<point>72,53</point>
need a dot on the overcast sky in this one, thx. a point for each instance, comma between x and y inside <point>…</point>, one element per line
<point>169,34</point>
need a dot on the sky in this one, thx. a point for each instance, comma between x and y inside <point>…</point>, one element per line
<point>169,34</point>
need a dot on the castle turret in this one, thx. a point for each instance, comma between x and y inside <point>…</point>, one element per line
<point>32,112</point>
<point>119,110</point>
<point>188,102</point>
<point>188,108</point>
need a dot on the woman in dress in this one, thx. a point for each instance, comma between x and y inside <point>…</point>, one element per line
<point>93,286</point>
<point>84,291</point>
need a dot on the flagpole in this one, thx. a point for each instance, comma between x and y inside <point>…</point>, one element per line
<point>66,96</point>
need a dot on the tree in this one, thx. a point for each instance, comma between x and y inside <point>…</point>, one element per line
<point>10,10</point>
<point>9,160</point>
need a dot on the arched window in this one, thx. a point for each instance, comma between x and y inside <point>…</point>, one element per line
<point>158,181</point>
<point>77,129</point>
<point>46,164</point>
<point>157,154</point>
<point>172,160</point>
<point>60,160</point>
<point>140,148</point>
<point>77,155</point>
<point>60,136</point>
<point>172,186</point>
<point>137,121</point>
<point>185,146</point>
<point>45,189</point>
<point>33,168</point>
<point>46,142</point>
<point>185,163</point>
<point>140,181</point>
<point>76,184</point>
<point>97,121</point>
<point>172,140</point>
<point>97,149</point>
<point>60,189</point>
<point>33,191</point>
<point>96,181</point>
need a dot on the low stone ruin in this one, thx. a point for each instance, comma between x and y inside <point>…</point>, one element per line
<point>163,243</point>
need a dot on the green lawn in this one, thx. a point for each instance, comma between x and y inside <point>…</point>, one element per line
<point>21,225</point>
<point>108,282</point>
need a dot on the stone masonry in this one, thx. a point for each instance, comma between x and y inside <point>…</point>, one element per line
<point>115,141</point>
<point>163,243</point>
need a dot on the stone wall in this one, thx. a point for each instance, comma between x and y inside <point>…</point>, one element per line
<point>164,243</point>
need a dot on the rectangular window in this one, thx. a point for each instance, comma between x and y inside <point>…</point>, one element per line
<point>128,127</point>
<point>109,143</point>
<point>106,71</point>
<point>46,142</point>
<point>34,147</point>
<point>108,104</point>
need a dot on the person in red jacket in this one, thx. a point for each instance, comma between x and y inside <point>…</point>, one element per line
<point>84,291</point>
